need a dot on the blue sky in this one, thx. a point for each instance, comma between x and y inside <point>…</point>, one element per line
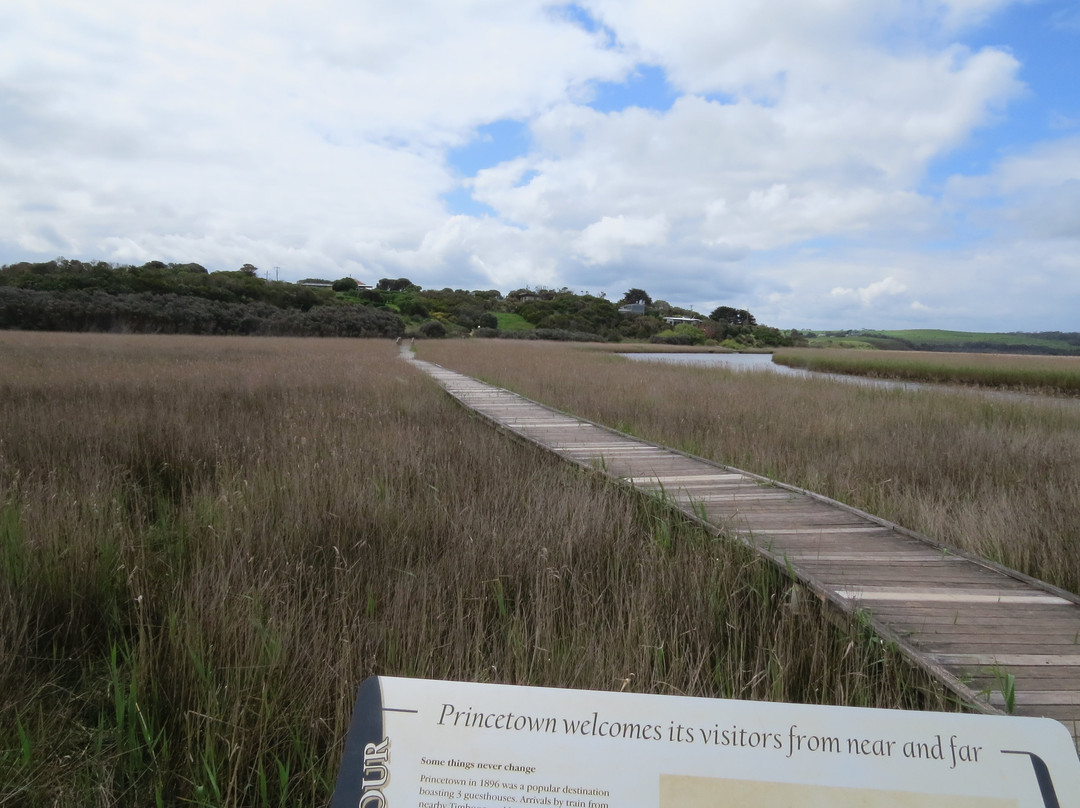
<point>824,163</point>
<point>1045,40</point>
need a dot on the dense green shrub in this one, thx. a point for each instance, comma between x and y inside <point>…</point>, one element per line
<point>671,338</point>
<point>682,334</point>
<point>337,321</point>
<point>433,329</point>
<point>411,307</point>
<point>344,285</point>
<point>555,334</point>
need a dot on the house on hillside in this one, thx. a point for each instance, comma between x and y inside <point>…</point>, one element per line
<point>523,296</point>
<point>673,321</point>
<point>632,309</point>
<point>323,283</point>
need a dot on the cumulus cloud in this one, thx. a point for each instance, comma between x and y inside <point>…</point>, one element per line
<point>869,294</point>
<point>605,240</point>
<point>283,123</point>
<point>1045,165</point>
<point>1030,197</point>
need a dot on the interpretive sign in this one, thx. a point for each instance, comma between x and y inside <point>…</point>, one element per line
<point>433,744</point>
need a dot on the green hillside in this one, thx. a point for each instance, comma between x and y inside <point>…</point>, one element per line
<point>508,321</point>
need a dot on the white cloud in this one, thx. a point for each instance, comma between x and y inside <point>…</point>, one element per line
<point>1030,196</point>
<point>868,295</point>
<point>605,240</point>
<point>268,127</point>
<point>957,14</point>
<point>1017,286</point>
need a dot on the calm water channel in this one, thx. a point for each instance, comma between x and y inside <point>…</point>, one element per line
<point>761,363</point>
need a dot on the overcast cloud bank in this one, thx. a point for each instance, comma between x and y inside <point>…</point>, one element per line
<point>824,163</point>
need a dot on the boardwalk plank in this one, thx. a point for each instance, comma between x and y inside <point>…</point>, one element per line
<point>965,620</point>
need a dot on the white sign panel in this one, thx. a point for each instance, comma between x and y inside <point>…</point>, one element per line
<point>433,744</point>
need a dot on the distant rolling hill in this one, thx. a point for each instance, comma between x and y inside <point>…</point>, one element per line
<point>1046,342</point>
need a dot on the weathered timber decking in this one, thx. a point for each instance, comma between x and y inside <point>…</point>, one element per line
<point>966,620</point>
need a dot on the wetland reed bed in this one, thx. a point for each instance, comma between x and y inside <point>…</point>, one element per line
<point>207,543</point>
<point>992,476</point>
<point>1058,375</point>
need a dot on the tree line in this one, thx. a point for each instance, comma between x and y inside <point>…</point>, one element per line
<point>186,298</point>
<point>168,313</point>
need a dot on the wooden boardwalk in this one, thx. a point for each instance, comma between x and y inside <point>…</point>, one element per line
<point>970,622</point>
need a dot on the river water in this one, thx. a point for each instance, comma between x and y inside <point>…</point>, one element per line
<point>762,363</point>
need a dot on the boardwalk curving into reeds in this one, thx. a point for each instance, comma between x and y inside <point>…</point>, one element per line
<point>996,637</point>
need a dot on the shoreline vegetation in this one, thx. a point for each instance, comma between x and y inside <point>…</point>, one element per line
<point>1038,342</point>
<point>1052,374</point>
<point>993,477</point>
<point>206,543</point>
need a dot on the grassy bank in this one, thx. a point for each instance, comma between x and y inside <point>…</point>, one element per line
<point>508,321</point>
<point>1054,374</point>
<point>207,543</point>
<point>1047,342</point>
<point>938,340</point>
<point>994,477</point>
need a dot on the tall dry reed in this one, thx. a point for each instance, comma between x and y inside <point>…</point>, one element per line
<point>207,543</point>
<point>991,475</point>
<point>1056,374</point>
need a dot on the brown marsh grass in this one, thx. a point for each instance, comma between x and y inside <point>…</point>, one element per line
<point>993,476</point>
<point>1054,374</point>
<point>207,543</point>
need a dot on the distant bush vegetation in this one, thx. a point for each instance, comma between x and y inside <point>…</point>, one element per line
<point>143,312</point>
<point>171,298</point>
<point>555,334</point>
<point>65,295</point>
<point>157,277</point>
<point>738,336</point>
